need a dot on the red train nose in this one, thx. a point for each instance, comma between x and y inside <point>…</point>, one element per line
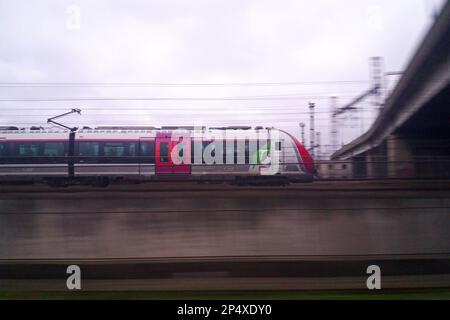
<point>308,161</point>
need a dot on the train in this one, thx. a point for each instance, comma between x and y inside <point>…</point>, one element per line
<point>112,154</point>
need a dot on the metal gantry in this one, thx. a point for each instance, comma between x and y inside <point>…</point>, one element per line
<point>311,128</point>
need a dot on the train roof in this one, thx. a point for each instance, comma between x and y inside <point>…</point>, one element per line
<point>128,129</point>
<point>136,133</point>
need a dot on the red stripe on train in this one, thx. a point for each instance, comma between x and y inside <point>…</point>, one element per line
<point>308,161</point>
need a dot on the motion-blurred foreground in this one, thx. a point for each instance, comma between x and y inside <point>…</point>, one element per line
<point>215,237</point>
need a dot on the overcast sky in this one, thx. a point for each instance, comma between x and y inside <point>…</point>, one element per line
<point>327,42</point>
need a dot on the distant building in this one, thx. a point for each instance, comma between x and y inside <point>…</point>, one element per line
<point>334,169</point>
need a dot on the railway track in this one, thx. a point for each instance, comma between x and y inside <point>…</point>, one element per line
<point>229,273</point>
<point>318,186</point>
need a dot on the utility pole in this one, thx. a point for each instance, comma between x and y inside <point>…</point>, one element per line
<point>302,130</point>
<point>311,127</point>
<point>334,124</point>
<point>376,71</point>
<point>319,147</point>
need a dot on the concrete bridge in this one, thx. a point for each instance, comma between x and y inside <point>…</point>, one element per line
<point>411,136</point>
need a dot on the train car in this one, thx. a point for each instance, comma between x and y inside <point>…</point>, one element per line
<point>105,154</point>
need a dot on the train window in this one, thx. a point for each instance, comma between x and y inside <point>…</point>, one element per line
<point>163,151</point>
<point>53,149</point>
<point>255,153</point>
<point>240,152</point>
<point>3,150</point>
<point>247,152</point>
<point>224,152</point>
<point>278,145</point>
<point>211,145</point>
<point>33,152</point>
<point>204,145</point>
<point>28,149</point>
<point>132,149</point>
<point>89,149</point>
<point>229,152</point>
<point>177,152</point>
<point>197,152</point>
<point>148,151</point>
<point>213,152</point>
<point>114,149</point>
<point>263,152</point>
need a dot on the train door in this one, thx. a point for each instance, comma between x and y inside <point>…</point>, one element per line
<point>165,147</point>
